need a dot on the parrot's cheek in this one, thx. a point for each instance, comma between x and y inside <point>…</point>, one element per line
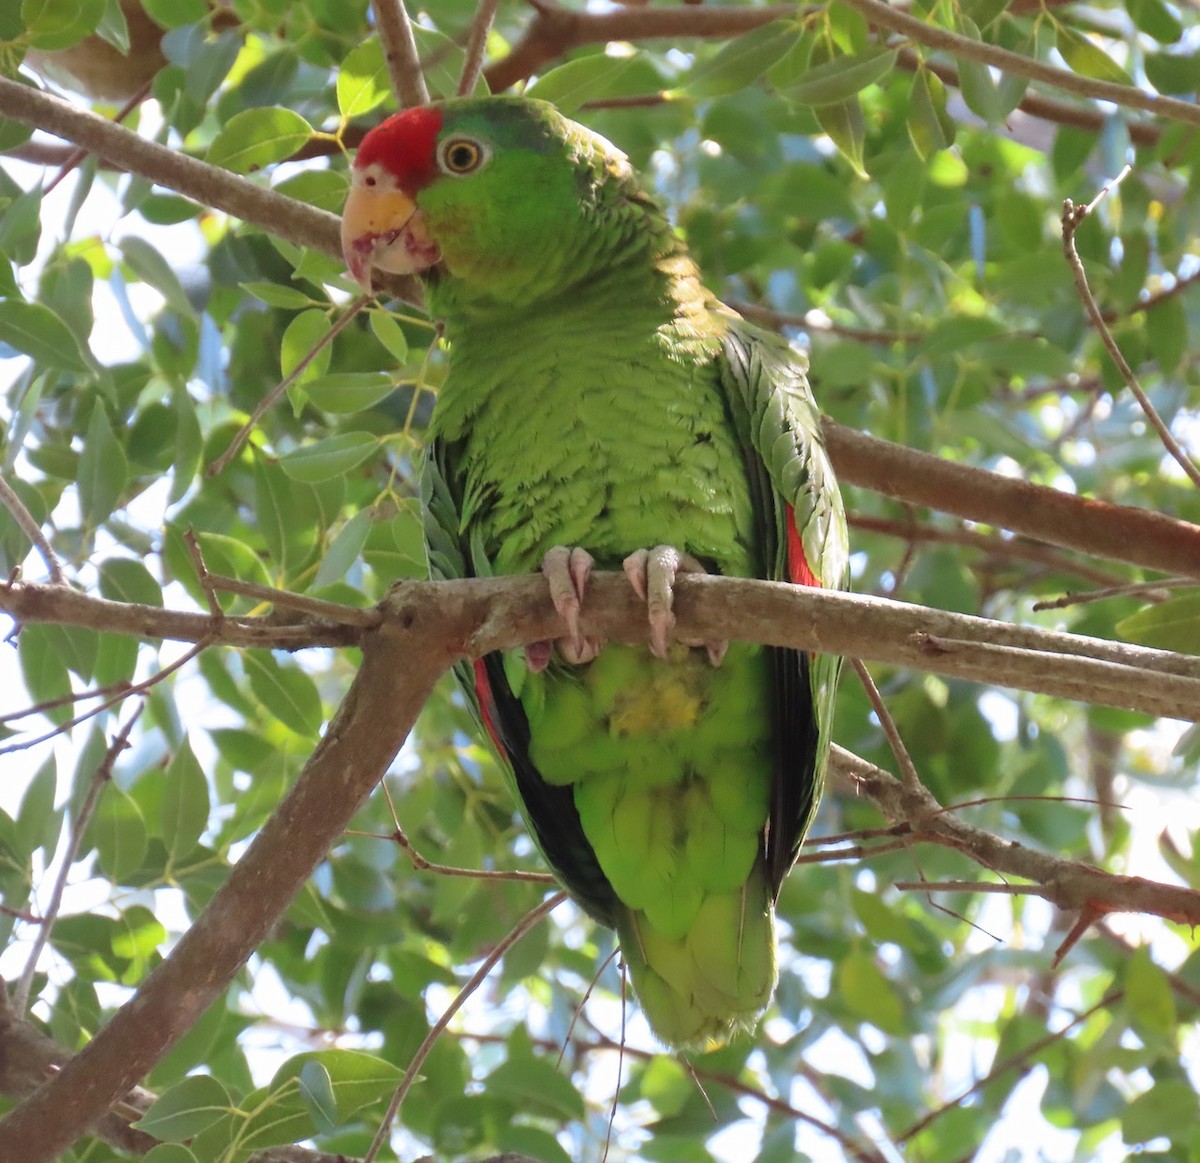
<point>407,251</point>
<point>367,244</point>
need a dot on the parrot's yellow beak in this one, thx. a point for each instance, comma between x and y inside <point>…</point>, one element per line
<point>382,227</point>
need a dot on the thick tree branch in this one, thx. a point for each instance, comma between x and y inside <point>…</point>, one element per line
<point>479,615</point>
<point>401,662</point>
<point>1117,532</point>
<point>555,30</point>
<point>428,625</point>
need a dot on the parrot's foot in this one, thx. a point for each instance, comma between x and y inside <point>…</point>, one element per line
<point>652,574</point>
<point>567,572</point>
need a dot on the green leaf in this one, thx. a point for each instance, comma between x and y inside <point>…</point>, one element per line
<point>186,1109</point>
<point>185,805</point>
<point>532,1083</point>
<point>1173,72</point>
<point>114,27</point>
<point>169,1153</point>
<point>276,295</point>
<point>979,91</point>
<point>286,691</point>
<point>176,13</point>
<point>122,579</point>
<point>282,1112</point>
<point>36,331</point>
<point>867,993</point>
<point>1170,625</point>
<point>103,470</point>
<point>740,61</point>
<point>155,271</point>
<point>1149,998</point>
<point>839,79</point>
<point>1087,58</point>
<point>230,556</point>
<point>343,393</point>
<point>1155,19</point>
<point>1153,1115</point>
<point>844,126</point>
<point>930,127</point>
<point>118,833</point>
<point>589,78</point>
<point>57,24</point>
<point>38,824</point>
<point>443,60</point>
<point>363,82</point>
<point>255,138</point>
<point>43,669</point>
<point>299,341</point>
<point>316,1089</point>
<point>1167,333</point>
<point>390,334</point>
<point>329,458</point>
<point>344,549</point>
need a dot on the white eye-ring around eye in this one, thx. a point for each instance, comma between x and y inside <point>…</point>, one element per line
<point>459,156</point>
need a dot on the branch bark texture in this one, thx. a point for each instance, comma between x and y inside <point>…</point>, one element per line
<point>400,664</point>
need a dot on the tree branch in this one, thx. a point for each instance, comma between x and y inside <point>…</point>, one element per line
<point>399,667</point>
<point>428,626</point>
<point>400,52</point>
<point>1117,532</point>
<point>886,16</point>
<point>479,615</point>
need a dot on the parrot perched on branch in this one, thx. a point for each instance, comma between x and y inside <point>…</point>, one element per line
<point>602,410</point>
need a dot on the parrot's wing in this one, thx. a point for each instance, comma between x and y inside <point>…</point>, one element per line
<point>549,810</point>
<point>803,537</point>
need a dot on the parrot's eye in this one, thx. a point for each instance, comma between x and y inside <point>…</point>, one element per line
<point>461,155</point>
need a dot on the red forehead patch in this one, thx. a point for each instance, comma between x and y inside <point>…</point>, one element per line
<point>404,145</point>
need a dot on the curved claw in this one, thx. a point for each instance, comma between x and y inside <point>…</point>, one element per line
<point>652,573</point>
<point>566,571</point>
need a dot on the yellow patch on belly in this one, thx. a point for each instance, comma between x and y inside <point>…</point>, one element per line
<point>669,698</point>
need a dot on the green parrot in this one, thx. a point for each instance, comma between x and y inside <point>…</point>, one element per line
<point>602,410</point>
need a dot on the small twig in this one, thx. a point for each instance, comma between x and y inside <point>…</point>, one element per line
<point>818,321</point>
<point>858,851</point>
<point>423,864</point>
<point>1020,1058</point>
<point>198,564</point>
<point>577,1013</point>
<point>967,886</point>
<point>78,153</point>
<point>66,700</point>
<point>32,530</point>
<point>1134,589</point>
<point>317,607</point>
<point>476,46</point>
<point>908,770</point>
<point>101,776</point>
<point>400,52</point>
<point>1072,217</point>
<point>123,693</point>
<point>268,401</point>
<point>527,922</point>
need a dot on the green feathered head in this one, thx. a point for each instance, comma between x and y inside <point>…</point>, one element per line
<point>503,195</point>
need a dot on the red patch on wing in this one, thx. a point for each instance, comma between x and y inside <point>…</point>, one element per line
<point>487,705</point>
<point>405,145</point>
<point>799,571</point>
